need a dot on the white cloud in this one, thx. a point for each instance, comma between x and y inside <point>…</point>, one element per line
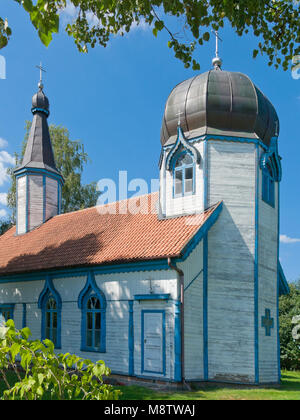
<point>3,143</point>
<point>3,199</point>
<point>70,13</point>
<point>7,158</point>
<point>284,239</point>
<point>3,213</point>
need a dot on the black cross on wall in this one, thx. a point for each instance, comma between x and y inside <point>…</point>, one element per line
<point>267,322</point>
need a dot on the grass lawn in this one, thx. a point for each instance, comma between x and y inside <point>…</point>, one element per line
<point>288,390</point>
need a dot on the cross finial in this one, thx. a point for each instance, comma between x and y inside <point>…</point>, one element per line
<point>40,67</point>
<point>179,113</point>
<point>217,62</point>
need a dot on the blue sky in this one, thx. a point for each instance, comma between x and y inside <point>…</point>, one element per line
<point>113,98</point>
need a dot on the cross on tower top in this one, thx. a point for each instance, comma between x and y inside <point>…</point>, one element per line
<point>40,67</point>
<point>217,62</point>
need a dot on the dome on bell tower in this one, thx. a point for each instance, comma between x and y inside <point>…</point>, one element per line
<point>219,103</point>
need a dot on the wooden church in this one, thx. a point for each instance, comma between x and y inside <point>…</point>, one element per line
<point>187,288</point>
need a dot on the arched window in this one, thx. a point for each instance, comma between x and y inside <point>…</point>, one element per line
<point>268,184</point>
<point>184,175</point>
<point>50,304</point>
<point>51,320</point>
<point>92,303</point>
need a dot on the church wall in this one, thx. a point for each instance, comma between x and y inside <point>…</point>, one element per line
<point>231,251</point>
<point>35,201</point>
<point>51,198</point>
<point>193,314</point>
<point>267,289</point>
<point>172,206</point>
<point>119,290</point>
<point>21,204</point>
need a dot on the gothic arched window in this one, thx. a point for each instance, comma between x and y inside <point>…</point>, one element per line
<point>50,304</point>
<point>268,184</point>
<point>184,175</point>
<point>92,303</point>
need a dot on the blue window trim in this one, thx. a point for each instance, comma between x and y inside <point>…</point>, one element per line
<point>49,290</point>
<point>7,306</point>
<point>163,296</point>
<point>268,187</point>
<point>91,289</point>
<point>163,312</point>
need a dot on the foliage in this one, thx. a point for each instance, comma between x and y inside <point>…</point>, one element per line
<point>289,307</point>
<point>276,22</point>
<point>70,158</point>
<point>62,376</point>
<point>4,226</point>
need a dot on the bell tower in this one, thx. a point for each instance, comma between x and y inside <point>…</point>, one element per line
<point>39,183</point>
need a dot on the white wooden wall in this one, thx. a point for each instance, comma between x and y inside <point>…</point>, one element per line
<point>118,289</point>
<point>231,248</point>
<point>193,314</point>
<point>267,293</point>
<point>21,205</point>
<point>35,201</point>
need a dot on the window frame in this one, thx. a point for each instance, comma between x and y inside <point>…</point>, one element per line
<point>5,307</point>
<point>91,289</point>
<point>49,292</point>
<point>182,170</point>
<point>268,184</point>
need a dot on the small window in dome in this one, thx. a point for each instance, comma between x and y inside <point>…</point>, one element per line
<point>184,174</point>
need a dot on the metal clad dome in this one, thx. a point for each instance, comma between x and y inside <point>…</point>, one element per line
<point>220,103</point>
<point>40,100</point>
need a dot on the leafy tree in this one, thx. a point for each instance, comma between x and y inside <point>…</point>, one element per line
<point>49,375</point>
<point>276,22</point>
<point>289,308</point>
<point>4,226</point>
<point>70,159</point>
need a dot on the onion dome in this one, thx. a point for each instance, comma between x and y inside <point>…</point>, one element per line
<point>219,103</point>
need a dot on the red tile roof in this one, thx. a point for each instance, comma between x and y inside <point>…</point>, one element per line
<point>89,237</point>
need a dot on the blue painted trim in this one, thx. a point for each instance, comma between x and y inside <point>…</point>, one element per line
<point>49,290</point>
<point>205,175</point>
<point>283,284</point>
<point>34,171</point>
<point>205,306</point>
<point>89,289</point>
<point>165,296</point>
<point>24,319</point>
<point>201,232</point>
<point>223,138</point>
<point>42,110</point>
<point>139,266</point>
<point>181,142</point>
<point>280,278</point>
<point>256,287</point>
<point>163,312</point>
<point>177,342</point>
<point>131,339</point>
